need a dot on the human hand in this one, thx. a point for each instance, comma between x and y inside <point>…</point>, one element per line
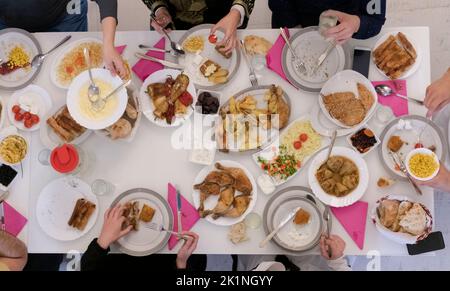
<point>189,246</point>
<point>114,62</point>
<point>440,182</point>
<point>348,25</point>
<point>228,25</point>
<point>336,244</point>
<point>163,19</point>
<point>438,94</point>
<point>112,227</point>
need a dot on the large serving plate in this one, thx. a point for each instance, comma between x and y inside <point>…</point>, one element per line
<point>324,126</point>
<point>56,204</point>
<point>211,202</point>
<point>346,81</point>
<point>309,45</point>
<point>59,58</point>
<point>147,105</point>
<point>432,136</point>
<point>258,93</point>
<point>145,241</point>
<point>73,99</point>
<point>416,45</point>
<point>272,151</point>
<point>209,52</point>
<point>283,203</point>
<point>9,38</point>
<point>353,196</point>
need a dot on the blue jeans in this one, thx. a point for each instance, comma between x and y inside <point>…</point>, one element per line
<point>68,22</point>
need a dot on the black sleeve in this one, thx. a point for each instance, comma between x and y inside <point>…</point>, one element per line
<point>108,8</point>
<point>94,257</point>
<point>371,20</point>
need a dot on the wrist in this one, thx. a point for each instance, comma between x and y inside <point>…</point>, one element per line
<point>181,264</point>
<point>103,243</point>
<point>236,15</point>
<point>357,23</point>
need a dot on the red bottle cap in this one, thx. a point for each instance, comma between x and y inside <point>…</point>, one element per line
<point>64,159</point>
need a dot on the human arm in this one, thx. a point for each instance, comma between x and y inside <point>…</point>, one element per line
<point>441,182</point>
<point>438,94</point>
<point>189,246</point>
<point>337,260</point>
<point>13,252</point>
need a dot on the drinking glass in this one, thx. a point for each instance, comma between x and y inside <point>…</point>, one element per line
<point>101,187</point>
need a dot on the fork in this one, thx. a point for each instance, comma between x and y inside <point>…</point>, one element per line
<point>252,75</point>
<point>401,165</point>
<point>160,228</point>
<point>298,63</point>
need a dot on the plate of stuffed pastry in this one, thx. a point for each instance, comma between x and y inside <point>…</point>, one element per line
<point>144,206</point>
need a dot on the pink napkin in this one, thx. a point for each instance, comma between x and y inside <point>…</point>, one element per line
<point>274,57</point>
<point>398,105</point>
<point>145,68</point>
<point>120,49</point>
<point>14,221</point>
<point>189,214</point>
<point>353,218</point>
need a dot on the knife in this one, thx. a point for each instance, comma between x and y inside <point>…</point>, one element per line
<point>279,227</point>
<point>2,217</point>
<point>324,55</point>
<point>179,213</point>
<point>162,62</point>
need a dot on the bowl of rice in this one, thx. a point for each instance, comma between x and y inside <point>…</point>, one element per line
<point>422,164</point>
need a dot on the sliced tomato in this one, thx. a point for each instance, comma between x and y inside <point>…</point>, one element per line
<point>297,145</point>
<point>419,146</point>
<point>212,38</point>
<point>303,137</point>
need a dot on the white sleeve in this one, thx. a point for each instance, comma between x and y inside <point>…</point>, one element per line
<point>340,264</point>
<point>241,11</point>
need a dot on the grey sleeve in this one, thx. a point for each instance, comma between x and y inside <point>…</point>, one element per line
<point>108,8</point>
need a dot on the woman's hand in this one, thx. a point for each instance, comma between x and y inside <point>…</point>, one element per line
<point>440,182</point>
<point>114,62</point>
<point>229,25</point>
<point>348,25</point>
<point>187,249</point>
<point>112,227</point>
<point>438,94</point>
<point>336,244</point>
<point>163,19</point>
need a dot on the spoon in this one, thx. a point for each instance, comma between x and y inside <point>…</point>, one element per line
<point>385,91</point>
<point>93,90</point>
<point>101,102</point>
<point>39,59</point>
<point>333,141</point>
<point>175,46</point>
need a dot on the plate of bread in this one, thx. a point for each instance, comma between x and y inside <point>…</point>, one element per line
<point>402,220</point>
<point>66,209</point>
<point>142,207</point>
<point>397,55</point>
<point>205,63</point>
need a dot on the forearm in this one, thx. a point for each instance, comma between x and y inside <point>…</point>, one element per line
<point>108,8</point>
<point>11,247</point>
<point>339,265</point>
<point>154,5</point>
<point>94,257</point>
<point>109,31</point>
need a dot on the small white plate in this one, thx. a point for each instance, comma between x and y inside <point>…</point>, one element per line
<point>416,46</point>
<point>211,202</point>
<point>349,140</point>
<point>346,81</point>
<point>42,100</point>
<point>147,103</point>
<point>73,96</point>
<point>55,206</point>
<point>353,196</point>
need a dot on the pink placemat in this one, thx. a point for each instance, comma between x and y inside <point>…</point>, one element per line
<point>121,49</point>
<point>274,57</point>
<point>398,105</point>
<point>14,221</point>
<point>145,68</point>
<point>189,214</point>
<point>353,218</point>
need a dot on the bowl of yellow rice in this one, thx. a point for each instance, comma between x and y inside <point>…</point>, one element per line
<point>422,164</point>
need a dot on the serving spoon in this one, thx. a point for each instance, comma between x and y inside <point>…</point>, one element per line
<point>386,91</point>
<point>93,90</point>
<point>175,46</point>
<point>38,60</point>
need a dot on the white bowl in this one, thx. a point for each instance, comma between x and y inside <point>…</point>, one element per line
<point>9,131</point>
<point>353,196</point>
<point>426,152</point>
<point>400,237</point>
<point>73,99</point>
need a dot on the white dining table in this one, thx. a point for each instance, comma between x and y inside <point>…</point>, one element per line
<point>151,162</point>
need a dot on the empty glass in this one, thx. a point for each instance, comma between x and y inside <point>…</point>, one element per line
<point>384,114</point>
<point>101,187</point>
<point>253,220</point>
<point>326,22</point>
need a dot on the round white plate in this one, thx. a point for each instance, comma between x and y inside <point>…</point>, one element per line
<point>309,45</point>
<point>416,46</point>
<point>51,140</point>
<point>145,241</point>
<point>211,202</point>
<point>346,81</point>
<point>40,97</point>
<point>57,60</point>
<point>55,206</point>
<point>353,196</point>
<point>73,96</point>
<point>147,104</point>
<point>325,127</point>
<point>209,52</point>
<point>432,136</point>
<point>9,38</point>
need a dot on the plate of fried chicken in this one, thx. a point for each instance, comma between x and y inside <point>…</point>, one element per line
<point>224,193</point>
